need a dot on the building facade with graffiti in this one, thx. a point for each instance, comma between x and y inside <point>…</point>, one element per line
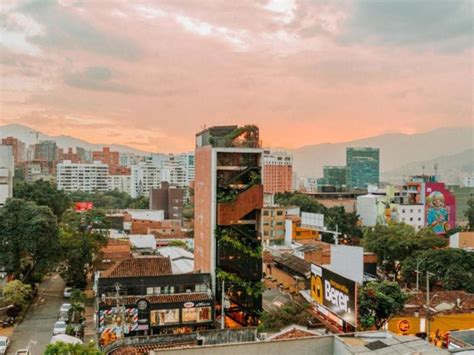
<point>420,202</point>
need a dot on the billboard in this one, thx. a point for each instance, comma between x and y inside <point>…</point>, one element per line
<point>83,206</point>
<point>315,220</point>
<point>335,293</point>
<point>440,208</point>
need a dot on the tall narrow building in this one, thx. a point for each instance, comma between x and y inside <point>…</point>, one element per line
<point>228,198</point>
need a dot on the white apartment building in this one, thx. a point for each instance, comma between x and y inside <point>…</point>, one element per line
<point>7,170</point>
<point>178,170</point>
<point>122,183</point>
<point>82,177</point>
<point>414,215</point>
<point>145,176</point>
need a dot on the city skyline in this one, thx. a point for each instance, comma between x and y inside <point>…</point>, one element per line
<point>318,72</point>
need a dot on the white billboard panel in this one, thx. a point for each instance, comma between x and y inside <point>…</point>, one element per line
<point>315,220</point>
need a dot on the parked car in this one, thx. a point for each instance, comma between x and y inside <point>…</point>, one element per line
<point>8,322</point>
<point>65,307</point>
<point>59,327</point>
<point>4,343</point>
<point>63,316</point>
<point>67,292</point>
<point>23,352</point>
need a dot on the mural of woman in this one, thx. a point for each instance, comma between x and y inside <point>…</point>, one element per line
<point>437,216</point>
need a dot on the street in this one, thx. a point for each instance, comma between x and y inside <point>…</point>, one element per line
<point>40,318</point>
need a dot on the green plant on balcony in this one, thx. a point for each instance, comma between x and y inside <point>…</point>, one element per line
<point>227,238</point>
<point>254,178</point>
<point>226,195</point>
<point>252,288</point>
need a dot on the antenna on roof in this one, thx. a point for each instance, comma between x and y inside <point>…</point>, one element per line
<point>423,169</point>
<point>36,133</point>
<point>436,169</point>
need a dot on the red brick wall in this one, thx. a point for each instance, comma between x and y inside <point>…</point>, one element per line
<point>246,202</point>
<point>202,209</point>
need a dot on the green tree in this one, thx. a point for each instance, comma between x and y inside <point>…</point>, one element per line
<point>16,293</point>
<point>28,235</point>
<point>60,348</point>
<point>469,213</point>
<point>43,193</point>
<point>346,222</point>
<point>141,202</point>
<point>452,268</point>
<point>293,313</point>
<point>396,242</point>
<point>304,202</point>
<point>378,301</point>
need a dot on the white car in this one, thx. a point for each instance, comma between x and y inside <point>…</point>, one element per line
<point>67,292</point>
<point>59,327</point>
<point>4,343</point>
<point>23,352</point>
<point>65,307</point>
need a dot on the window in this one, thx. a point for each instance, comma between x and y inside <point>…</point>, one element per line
<point>411,219</point>
<point>279,213</point>
<point>419,218</point>
<point>190,315</point>
<point>204,314</point>
<point>201,288</point>
<point>164,316</point>
<point>266,213</point>
<point>157,290</point>
<point>149,290</point>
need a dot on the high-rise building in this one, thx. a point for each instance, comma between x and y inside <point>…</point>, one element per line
<point>363,167</point>
<point>145,177</point>
<point>46,151</point>
<point>178,169</point>
<point>168,199</point>
<point>228,201</point>
<point>106,156</point>
<point>335,176</point>
<point>18,147</point>
<point>7,170</point>
<point>277,172</point>
<point>82,177</point>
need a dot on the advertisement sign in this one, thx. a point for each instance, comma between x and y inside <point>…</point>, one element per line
<point>315,220</point>
<point>164,316</point>
<point>116,320</point>
<point>83,206</point>
<point>440,208</point>
<point>336,293</point>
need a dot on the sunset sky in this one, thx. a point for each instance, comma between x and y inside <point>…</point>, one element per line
<point>151,74</point>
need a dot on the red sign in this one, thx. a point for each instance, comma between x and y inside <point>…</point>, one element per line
<point>83,206</point>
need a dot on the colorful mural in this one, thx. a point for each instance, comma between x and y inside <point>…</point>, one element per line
<point>387,213</point>
<point>440,208</point>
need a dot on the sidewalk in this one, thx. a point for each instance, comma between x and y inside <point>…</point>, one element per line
<point>89,330</point>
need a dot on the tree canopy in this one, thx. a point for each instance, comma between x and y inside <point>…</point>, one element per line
<point>28,235</point>
<point>16,293</point>
<point>469,213</point>
<point>60,348</point>
<point>293,313</point>
<point>378,301</point>
<point>43,193</point>
<point>396,242</point>
<point>452,268</point>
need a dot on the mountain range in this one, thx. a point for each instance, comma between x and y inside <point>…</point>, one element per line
<point>451,148</point>
<point>28,136</point>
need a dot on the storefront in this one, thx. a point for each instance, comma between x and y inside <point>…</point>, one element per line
<point>164,314</point>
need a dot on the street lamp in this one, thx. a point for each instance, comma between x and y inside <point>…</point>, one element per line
<point>428,274</point>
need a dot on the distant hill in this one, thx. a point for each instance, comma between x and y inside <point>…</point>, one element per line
<point>451,168</point>
<point>396,150</point>
<point>24,133</point>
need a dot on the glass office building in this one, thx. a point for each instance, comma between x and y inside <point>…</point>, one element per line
<point>363,167</point>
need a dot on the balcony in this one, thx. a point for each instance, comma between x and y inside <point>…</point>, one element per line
<point>247,201</point>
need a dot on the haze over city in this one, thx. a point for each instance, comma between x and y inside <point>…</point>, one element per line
<point>151,74</point>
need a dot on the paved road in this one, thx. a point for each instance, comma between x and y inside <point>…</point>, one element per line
<point>39,321</point>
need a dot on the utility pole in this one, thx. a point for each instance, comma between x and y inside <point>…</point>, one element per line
<point>428,274</point>
<point>417,276</point>
<point>223,305</point>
